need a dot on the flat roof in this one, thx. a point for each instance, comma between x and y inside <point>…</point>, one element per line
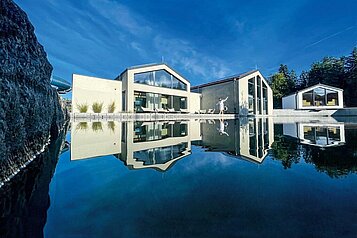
<point>225,79</point>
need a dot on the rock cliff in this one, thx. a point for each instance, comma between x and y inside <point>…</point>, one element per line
<point>30,109</point>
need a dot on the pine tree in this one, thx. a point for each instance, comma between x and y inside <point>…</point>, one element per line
<point>303,80</point>
<point>351,79</point>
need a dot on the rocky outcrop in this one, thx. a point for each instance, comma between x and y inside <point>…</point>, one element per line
<point>30,109</point>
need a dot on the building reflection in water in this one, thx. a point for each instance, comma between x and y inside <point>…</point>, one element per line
<point>155,145</point>
<point>93,139</point>
<point>160,144</point>
<point>321,135</point>
<point>248,139</point>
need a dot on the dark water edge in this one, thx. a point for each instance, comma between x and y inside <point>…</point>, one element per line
<point>25,199</point>
<point>336,162</point>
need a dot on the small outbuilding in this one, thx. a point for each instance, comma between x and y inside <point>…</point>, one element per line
<point>319,96</point>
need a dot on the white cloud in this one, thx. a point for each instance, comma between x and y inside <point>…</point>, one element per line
<point>181,53</point>
<point>137,46</point>
<point>122,16</point>
<point>151,43</point>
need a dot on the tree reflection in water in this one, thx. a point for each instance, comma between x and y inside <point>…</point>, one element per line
<point>334,161</point>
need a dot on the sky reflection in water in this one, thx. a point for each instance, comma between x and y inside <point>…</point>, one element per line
<point>206,179</point>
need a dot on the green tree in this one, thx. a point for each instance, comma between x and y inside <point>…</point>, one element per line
<point>282,83</point>
<point>279,86</point>
<point>303,80</point>
<point>351,79</point>
<point>329,71</point>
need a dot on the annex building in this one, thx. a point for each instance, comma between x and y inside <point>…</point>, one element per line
<point>157,88</point>
<point>319,96</point>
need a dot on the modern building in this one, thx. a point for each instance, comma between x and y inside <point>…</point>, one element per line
<point>156,88</point>
<point>320,135</point>
<point>160,144</point>
<point>140,145</point>
<point>160,89</point>
<point>319,96</point>
<point>248,139</point>
<point>248,94</point>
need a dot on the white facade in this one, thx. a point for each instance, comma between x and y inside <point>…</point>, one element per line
<point>320,135</point>
<point>89,90</point>
<point>159,89</point>
<point>319,96</point>
<point>152,88</point>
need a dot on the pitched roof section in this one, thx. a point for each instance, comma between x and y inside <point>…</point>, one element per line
<point>226,79</point>
<point>321,85</point>
<point>149,65</point>
<point>315,86</point>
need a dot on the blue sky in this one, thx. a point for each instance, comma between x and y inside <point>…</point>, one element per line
<point>203,40</point>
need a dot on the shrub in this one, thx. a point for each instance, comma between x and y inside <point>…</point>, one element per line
<point>83,108</point>
<point>97,107</point>
<point>82,126</point>
<point>97,126</point>
<point>111,125</point>
<point>111,107</point>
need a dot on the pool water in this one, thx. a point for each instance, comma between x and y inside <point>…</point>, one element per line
<point>201,178</point>
<point>204,179</point>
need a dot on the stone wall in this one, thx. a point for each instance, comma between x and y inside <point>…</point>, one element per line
<point>30,109</point>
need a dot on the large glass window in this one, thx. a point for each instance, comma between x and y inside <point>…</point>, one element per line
<point>251,96</point>
<point>177,84</point>
<point>144,78</point>
<point>163,79</point>
<point>259,95</point>
<point>265,99</point>
<point>158,131</point>
<point>140,101</point>
<point>320,97</point>
<point>160,155</point>
<point>252,138</point>
<point>307,99</point>
<point>332,98</point>
<point>153,101</point>
<point>179,103</point>
<point>260,138</point>
<point>165,102</point>
<point>319,94</point>
<point>183,103</point>
<point>146,101</point>
<point>160,78</point>
<point>322,135</point>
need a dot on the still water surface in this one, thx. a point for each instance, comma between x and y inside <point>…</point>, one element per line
<point>233,178</point>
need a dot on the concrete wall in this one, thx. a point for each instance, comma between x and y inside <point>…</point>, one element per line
<point>289,102</point>
<point>289,129</point>
<point>211,95</point>
<point>195,130</point>
<point>92,139</point>
<point>237,92</point>
<point>194,102</point>
<point>88,90</point>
